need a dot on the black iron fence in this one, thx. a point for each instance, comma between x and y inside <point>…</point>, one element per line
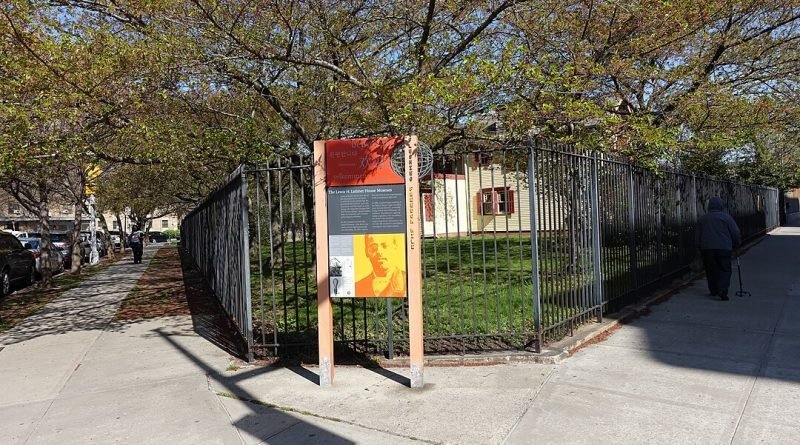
<point>521,245</point>
<point>215,235</point>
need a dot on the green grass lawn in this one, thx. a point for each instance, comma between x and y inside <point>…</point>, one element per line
<point>472,286</point>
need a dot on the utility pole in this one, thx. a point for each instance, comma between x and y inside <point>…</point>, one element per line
<point>124,236</point>
<point>94,256</point>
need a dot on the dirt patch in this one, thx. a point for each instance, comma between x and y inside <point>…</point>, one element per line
<point>22,304</point>
<point>171,286</point>
<point>599,338</point>
<point>159,292</point>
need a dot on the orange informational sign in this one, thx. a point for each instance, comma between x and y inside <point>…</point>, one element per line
<point>366,161</point>
<point>368,242</point>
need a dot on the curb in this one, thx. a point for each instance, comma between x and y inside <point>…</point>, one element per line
<point>594,333</point>
<point>584,336</point>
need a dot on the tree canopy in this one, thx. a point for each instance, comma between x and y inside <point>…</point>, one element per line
<point>170,95</point>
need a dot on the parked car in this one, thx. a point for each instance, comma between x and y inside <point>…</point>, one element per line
<point>157,237</point>
<point>116,240</point>
<point>86,244</point>
<point>56,257</point>
<point>16,263</point>
<point>62,241</point>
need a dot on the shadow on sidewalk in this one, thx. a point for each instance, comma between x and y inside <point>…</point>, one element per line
<point>266,423</point>
<point>88,307</point>
<point>757,335</point>
<point>211,322</point>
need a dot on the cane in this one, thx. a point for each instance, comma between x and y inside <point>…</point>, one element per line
<point>741,293</point>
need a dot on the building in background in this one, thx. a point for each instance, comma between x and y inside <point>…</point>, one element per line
<point>13,216</point>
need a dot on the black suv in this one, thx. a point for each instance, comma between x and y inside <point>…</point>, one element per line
<point>157,237</point>
<point>16,263</point>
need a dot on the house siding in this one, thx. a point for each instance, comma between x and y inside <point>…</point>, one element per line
<point>454,205</point>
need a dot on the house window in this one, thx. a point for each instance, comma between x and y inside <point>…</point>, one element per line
<point>496,201</point>
<point>484,158</point>
<point>165,224</point>
<point>448,165</point>
<point>427,201</point>
<point>114,225</point>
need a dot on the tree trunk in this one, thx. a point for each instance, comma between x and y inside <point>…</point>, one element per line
<point>109,244</point>
<point>44,247</point>
<point>123,235</point>
<point>76,240</point>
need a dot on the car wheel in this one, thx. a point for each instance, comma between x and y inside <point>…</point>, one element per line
<point>5,283</point>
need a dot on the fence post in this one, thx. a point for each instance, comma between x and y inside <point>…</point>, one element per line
<point>632,229</point>
<point>659,230</point>
<point>532,195</point>
<point>245,258</point>
<point>693,233</point>
<point>389,330</point>
<point>596,259</point>
<point>694,200</point>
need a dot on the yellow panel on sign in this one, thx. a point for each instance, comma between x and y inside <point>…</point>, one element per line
<point>92,173</point>
<point>380,265</point>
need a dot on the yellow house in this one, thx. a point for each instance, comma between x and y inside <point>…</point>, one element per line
<point>476,193</point>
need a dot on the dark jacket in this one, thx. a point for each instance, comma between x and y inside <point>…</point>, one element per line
<point>716,229</point>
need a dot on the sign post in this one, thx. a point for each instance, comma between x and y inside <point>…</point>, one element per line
<point>413,253</point>
<point>324,304</point>
<point>367,227</point>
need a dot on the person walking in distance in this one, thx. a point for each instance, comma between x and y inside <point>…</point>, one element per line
<point>717,236</point>
<point>136,240</point>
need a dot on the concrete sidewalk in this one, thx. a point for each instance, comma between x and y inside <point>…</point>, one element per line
<point>695,370</point>
<point>70,375</point>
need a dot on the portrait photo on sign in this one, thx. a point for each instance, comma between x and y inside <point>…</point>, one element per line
<point>380,265</point>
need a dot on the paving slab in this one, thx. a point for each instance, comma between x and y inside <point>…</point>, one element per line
<point>685,379</point>
<point>325,432</point>
<point>19,420</point>
<point>24,377</point>
<point>176,412</point>
<point>716,342</point>
<point>567,414</point>
<point>785,352</point>
<point>259,424</point>
<point>776,397</point>
<point>460,405</point>
<point>150,351</point>
<point>740,313</point>
<point>790,319</point>
<point>758,431</point>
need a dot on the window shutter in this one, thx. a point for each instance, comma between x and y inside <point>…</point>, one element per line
<point>428,202</point>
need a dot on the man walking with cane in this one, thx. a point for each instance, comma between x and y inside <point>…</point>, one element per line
<point>717,235</point>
